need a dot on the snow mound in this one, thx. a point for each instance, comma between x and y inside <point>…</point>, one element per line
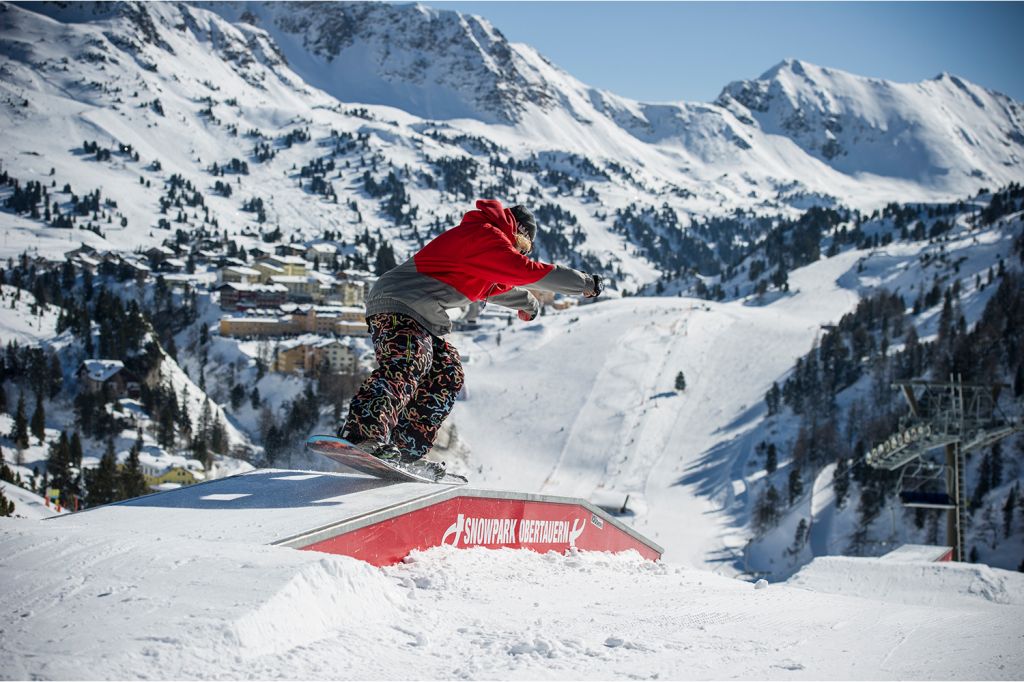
<point>912,583</point>
<point>318,600</point>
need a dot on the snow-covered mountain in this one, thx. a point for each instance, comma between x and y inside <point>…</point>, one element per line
<point>434,64</point>
<point>939,131</point>
<point>415,80</point>
<point>945,134</point>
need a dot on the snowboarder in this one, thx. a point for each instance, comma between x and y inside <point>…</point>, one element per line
<point>396,413</point>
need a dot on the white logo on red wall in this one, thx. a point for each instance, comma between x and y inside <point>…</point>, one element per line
<point>472,531</point>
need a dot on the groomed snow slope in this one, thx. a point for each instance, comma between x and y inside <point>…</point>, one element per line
<point>582,403</point>
<point>95,604</point>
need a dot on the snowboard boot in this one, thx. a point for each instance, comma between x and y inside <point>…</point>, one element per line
<point>423,467</point>
<point>380,450</point>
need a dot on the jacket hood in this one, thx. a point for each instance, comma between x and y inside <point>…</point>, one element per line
<point>490,211</point>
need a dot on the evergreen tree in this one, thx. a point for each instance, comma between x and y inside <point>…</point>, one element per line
<point>773,398</point>
<point>39,420</point>
<point>841,482</point>
<point>799,538</point>
<point>766,511</point>
<point>6,506</point>
<point>3,395</point>
<point>1008,509</point>
<point>133,482</point>
<point>20,432</point>
<point>5,471</point>
<point>796,484</point>
<point>237,396</point>
<point>58,466</point>
<point>680,382</point>
<point>771,460</point>
<point>56,376</point>
<point>76,450</point>
<point>104,485</point>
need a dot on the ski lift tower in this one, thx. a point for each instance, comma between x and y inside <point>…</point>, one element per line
<point>953,415</point>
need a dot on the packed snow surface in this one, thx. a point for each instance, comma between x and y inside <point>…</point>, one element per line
<point>95,603</point>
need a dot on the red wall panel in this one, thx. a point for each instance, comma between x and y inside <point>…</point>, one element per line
<point>484,522</point>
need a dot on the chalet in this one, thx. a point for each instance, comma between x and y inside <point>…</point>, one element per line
<point>240,274</point>
<point>205,256</point>
<point>340,320</point>
<point>292,265</point>
<point>267,270</point>
<point>324,252</point>
<point>97,376</point>
<point>87,262</point>
<point>256,326</point>
<point>170,471</point>
<point>260,252</point>
<point>301,288</point>
<point>236,295</point>
<point>138,269</point>
<point>83,249</point>
<point>290,249</point>
<point>310,353</point>
<point>172,265</point>
<point>158,254</point>
<point>348,293</point>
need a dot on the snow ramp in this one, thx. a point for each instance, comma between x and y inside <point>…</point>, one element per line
<point>377,521</point>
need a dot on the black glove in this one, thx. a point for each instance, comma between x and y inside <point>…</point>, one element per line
<point>597,287</point>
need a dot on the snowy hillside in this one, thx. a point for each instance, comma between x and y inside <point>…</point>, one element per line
<point>582,403</point>
<point>169,606</point>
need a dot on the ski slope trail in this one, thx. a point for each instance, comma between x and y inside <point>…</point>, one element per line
<point>582,403</point>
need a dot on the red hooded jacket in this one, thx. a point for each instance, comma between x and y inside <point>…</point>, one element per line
<point>473,261</point>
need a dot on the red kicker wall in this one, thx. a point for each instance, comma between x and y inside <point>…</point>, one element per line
<point>485,522</point>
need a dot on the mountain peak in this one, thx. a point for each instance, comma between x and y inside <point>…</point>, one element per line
<point>432,63</point>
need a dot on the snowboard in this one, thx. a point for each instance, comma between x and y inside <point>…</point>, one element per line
<point>348,455</point>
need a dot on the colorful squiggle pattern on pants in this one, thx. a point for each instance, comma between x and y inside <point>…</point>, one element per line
<point>407,398</point>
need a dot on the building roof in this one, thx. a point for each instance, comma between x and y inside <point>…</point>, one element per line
<point>311,340</point>
<point>245,286</point>
<point>247,319</point>
<point>267,265</point>
<point>292,279</point>
<point>101,370</point>
<point>242,270</point>
<point>289,260</point>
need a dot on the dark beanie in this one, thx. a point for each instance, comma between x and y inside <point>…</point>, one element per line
<point>525,220</point>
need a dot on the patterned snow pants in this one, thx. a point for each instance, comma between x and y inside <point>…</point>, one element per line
<point>406,399</point>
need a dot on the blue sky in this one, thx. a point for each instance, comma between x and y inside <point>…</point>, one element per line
<point>664,51</point>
